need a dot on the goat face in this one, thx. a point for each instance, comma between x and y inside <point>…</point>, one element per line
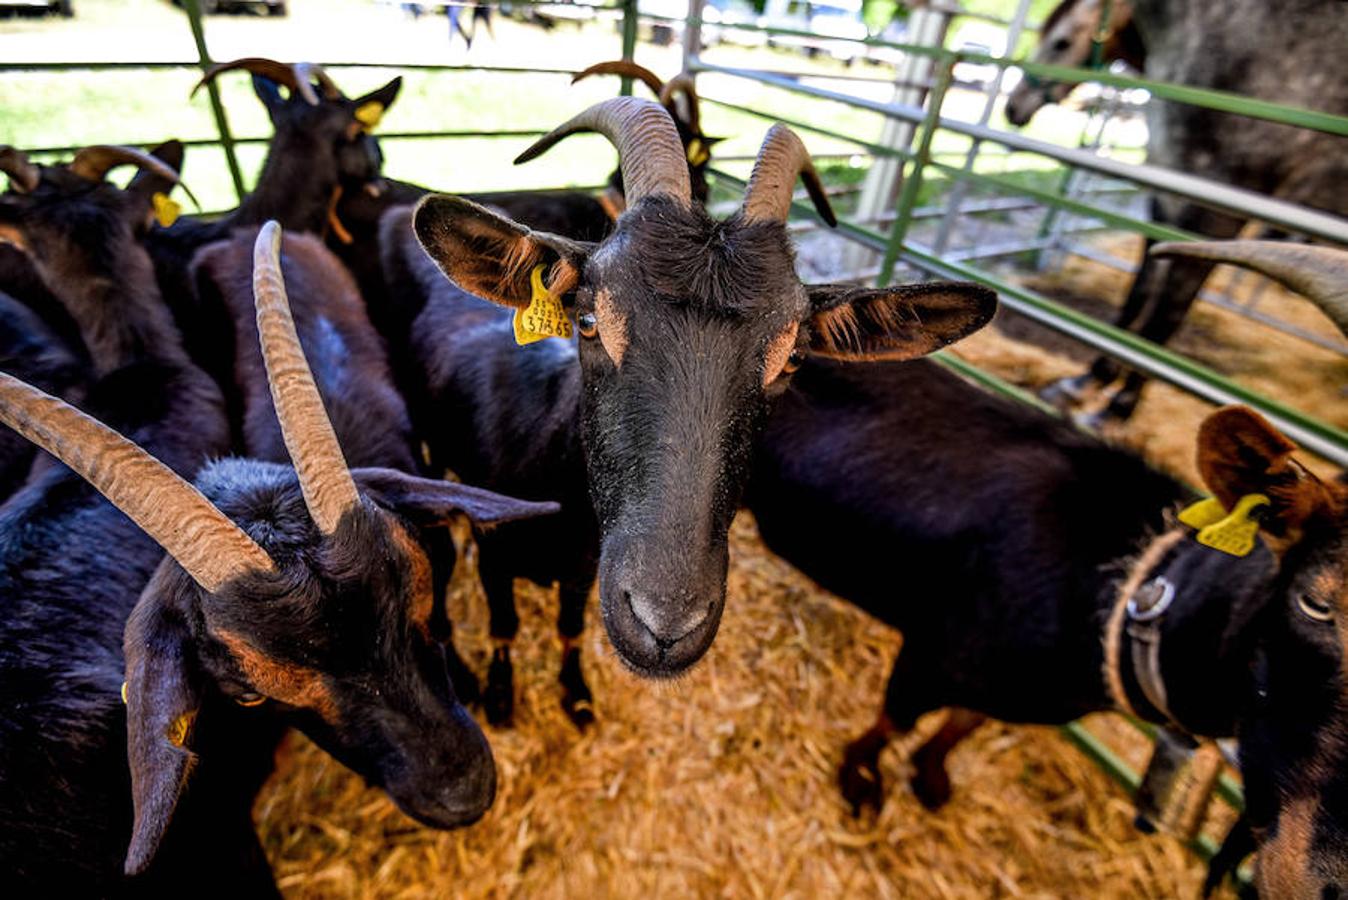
<point>334,134</point>
<point>78,228</point>
<point>687,328</point>
<point>1293,721</point>
<point>335,641</point>
<point>1068,39</point>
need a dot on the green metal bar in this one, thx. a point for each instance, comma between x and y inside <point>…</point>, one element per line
<point>630,20</point>
<point>194,64</point>
<point>383,136</point>
<point>193,8</point>
<point>913,182</point>
<point>1102,755</point>
<point>1119,220</point>
<point>877,149</point>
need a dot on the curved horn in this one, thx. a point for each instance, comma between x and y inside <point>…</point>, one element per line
<point>782,159</point>
<point>649,149</point>
<point>279,72</point>
<point>623,67</point>
<point>205,542</point>
<point>94,163</point>
<point>23,174</point>
<point>329,490</point>
<point>682,84</point>
<point>1318,273</point>
<point>308,73</point>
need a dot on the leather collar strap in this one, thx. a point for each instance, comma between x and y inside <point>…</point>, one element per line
<point>1135,628</point>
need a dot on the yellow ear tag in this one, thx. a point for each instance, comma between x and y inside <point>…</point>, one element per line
<point>166,209</point>
<point>697,154</point>
<point>180,728</point>
<point>124,693</point>
<point>369,114</point>
<point>1233,534</point>
<point>544,317</point>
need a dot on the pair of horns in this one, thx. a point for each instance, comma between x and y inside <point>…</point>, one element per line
<point>91,163</point>
<point>1318,273</point>
<point>666,91</point>
<point>299,77</point>
<point>652,159</point>
<point>204,541</point>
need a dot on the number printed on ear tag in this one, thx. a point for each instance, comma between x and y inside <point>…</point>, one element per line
<point>544,317</point>
<point>1233,534</point>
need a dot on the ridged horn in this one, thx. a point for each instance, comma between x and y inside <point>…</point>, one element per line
<point>94,163</point>
<point>279,72</point>
<point>204,541</point>
<point>308,73</point>
<point>682,84</point>
<point>1318,273</point>
<point>329,490</point>
<point>624,67</point>
<point>24,175</point>
<point>649,150</point>
<point>782,159</point>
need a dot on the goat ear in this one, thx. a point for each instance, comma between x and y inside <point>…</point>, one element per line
<point>145,184</point>
<point>428,502</point>
<point>1240,453</point>
<point>492,256</point>
<point>900,322</point>
<point>384,96</point>
<point>162,701</point>
<point>269,92</point>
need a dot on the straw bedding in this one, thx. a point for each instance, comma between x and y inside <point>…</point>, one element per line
<point>721,784</point>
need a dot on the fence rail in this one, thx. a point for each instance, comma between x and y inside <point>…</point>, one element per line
<point>894,245</point>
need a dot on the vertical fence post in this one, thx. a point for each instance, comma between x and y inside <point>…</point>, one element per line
<point>193,8</point>
<point>629,41</point>
<point>692,32</point>
<point>913,182</point>
<point>994,90</point>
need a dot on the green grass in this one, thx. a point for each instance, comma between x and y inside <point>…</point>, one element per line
<point>76,107</point>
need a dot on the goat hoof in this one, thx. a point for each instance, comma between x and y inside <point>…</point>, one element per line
<point>498,700</point>
<point>861,785</point>
<point>931,788</point>
<point>1065,393</point>
<point>466,686</point>
<point>577,701</point>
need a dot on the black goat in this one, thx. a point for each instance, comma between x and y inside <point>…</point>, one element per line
<point>1005,545</point>
<point>574,214</point>
<point>687,328</point>
<point>1241,46</point>
<point>289,600</point>
<point>350,368</point>
<point>321,142</point>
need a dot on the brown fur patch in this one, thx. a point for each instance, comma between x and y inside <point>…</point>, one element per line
<point>11,235</point>
<point>612,326</point>
<point>778,352</point>
<point>1284,862</point>
<point>420,589</point>
<point>293,684</point>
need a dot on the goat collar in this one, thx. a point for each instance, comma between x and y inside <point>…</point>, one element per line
<point>1133,635</point>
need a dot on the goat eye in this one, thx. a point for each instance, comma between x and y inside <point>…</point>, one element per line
<point>793,362</point>
<point>587,324</point>
<point>1314,609</point>
<point>1061,45</point>
<point>250,699</point>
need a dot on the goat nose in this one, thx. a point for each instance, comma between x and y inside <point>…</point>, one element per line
<point>668,619</point>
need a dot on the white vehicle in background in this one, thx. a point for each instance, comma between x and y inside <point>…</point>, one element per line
<point>718,14</point>
<point>833,27</point>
